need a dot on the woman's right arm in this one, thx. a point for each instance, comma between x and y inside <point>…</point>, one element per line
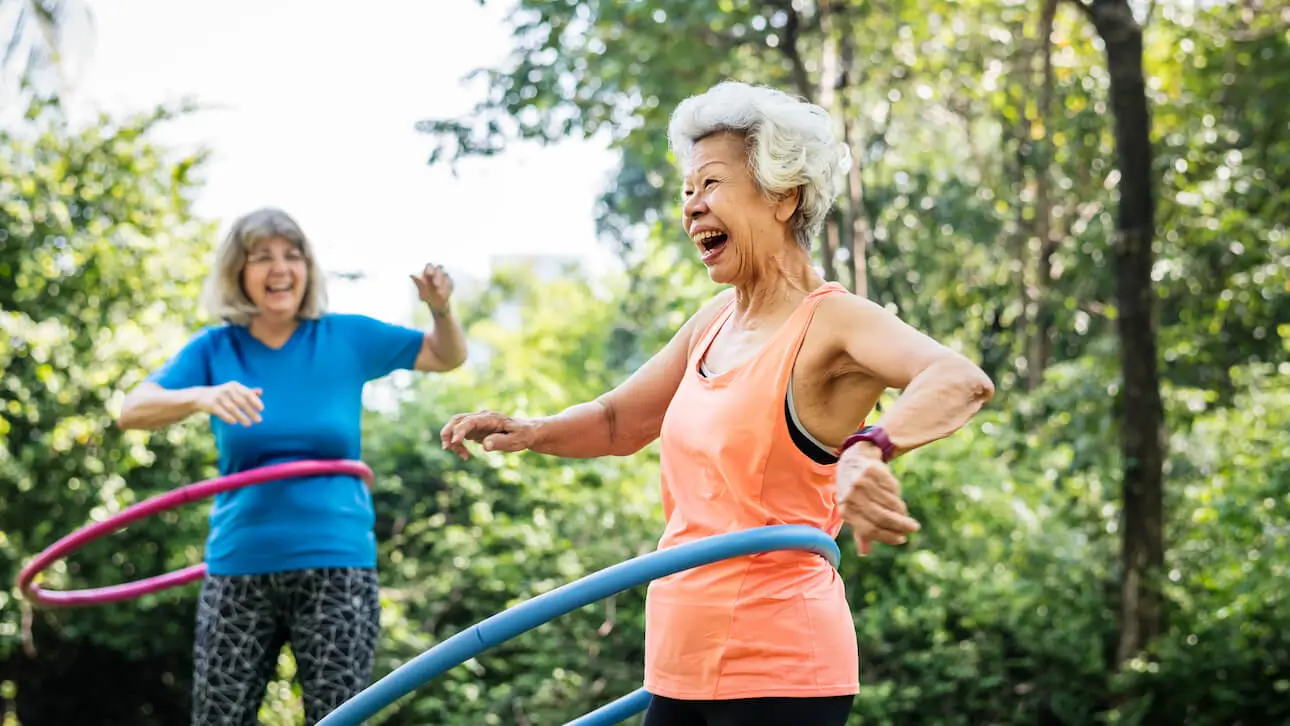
<point>618,423</point>
<point>150,406</point>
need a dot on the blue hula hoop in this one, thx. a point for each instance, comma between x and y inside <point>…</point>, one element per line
<point>597,586</point>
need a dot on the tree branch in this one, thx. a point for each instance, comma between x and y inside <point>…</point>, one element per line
<point>791,51</point>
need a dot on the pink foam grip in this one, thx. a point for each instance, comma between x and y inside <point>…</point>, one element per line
<point>161,503</point>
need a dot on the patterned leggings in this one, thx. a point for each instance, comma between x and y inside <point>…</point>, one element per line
<point>331,618</point>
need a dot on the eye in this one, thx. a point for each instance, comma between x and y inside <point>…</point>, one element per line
<point>708,182</point>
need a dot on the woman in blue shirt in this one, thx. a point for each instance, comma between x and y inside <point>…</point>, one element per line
<point>282,380</point>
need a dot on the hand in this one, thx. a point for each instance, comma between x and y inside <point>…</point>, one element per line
<point>434,287</point>
<point>232,402</point>
<point>496,431</point>
<point>870,499</point>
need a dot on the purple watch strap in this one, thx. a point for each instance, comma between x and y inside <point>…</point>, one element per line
<point>874,435</point>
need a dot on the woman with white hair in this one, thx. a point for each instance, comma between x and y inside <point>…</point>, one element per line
<point>759,403</point>
<point>281,379</point>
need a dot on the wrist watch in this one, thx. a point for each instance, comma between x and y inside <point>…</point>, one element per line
<point>874,435</point>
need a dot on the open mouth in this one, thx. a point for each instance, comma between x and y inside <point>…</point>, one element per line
<point>711,242</point>
<point>279,288</point>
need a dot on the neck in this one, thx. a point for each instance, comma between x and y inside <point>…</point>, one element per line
<point>782,281</point>
<point>272,331</point>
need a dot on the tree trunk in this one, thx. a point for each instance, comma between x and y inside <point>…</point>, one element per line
<point>1142,419</point>
<point>857,260</point>
<point>829,248</point>
<point>1016,169</point>
<point>1040,343</point>
<point>861,236</point>
<point>829,76</point>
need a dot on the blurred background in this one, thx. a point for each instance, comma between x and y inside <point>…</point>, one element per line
<point>1088,197</point>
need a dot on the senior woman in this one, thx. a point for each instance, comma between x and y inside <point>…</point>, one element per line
<point>756,401</point>
<point>282,379</point>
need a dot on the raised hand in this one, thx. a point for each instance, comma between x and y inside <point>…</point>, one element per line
<point>496,432</point>
<point>232,402</point>
<point>434,287</point>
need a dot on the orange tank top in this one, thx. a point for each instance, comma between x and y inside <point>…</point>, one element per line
<point>770,625</point>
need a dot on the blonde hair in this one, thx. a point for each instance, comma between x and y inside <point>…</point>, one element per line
<point>224,296</point>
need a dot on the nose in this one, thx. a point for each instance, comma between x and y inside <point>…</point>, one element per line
<point>695,206</point>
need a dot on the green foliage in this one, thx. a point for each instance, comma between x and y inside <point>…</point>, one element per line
<point>1230,502</point>
<point>1226,243</point>
<point>466,540</point>
<point>988,184</point>
<point>1002,611</point>
<point>97,237</point>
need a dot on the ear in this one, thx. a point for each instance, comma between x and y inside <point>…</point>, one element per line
<point>786,207</point>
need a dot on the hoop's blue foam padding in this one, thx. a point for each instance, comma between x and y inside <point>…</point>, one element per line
<point>616,712</point>
<point>597,586</point>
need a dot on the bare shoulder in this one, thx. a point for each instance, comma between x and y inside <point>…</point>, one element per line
<point>705,315</point>
<point>846,309</point>
<point>838,317</point>
<point>713,307</point>
<point>874,340</point>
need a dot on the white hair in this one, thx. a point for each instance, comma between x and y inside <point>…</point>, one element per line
<point>224,296</point>
<point>790,142</point>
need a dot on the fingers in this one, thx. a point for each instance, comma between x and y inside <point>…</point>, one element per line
<point>491,428</point>
<point>451,439</point>
<point>236,404</point>
<point>881,490</point>
<point>880,504</point>
<point>225,414</point>
<point>874,482</point>
<point>870,475</point>
<point>440,276</point>
<point>431,276</point>
<point>873,532</point>
<point>249,400</point>
<point>886,522</point>
<point>863,546</point>
<point>869,497</point>
<point>434,280</point>
<point>453,432</point>
<point>246,403</point>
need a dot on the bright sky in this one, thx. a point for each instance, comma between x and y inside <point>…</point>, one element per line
<point>314,111</point>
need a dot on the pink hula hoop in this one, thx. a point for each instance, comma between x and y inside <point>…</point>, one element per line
<point>149,507</point>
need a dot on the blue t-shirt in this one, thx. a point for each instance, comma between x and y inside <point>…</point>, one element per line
<point>312,396</point>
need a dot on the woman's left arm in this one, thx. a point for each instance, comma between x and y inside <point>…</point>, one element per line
<point>444,347</point>
<point>941,389</point>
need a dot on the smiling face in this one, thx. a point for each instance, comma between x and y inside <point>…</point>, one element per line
<point>275,278</point>
<point>738,230</point>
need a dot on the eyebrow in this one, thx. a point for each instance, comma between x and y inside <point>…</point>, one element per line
<point>705,165</point>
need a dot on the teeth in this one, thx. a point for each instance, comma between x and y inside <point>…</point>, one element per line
<point>706,235</point>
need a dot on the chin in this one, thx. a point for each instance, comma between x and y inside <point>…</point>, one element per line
<point>720,275</point>
<point>278,313</point>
